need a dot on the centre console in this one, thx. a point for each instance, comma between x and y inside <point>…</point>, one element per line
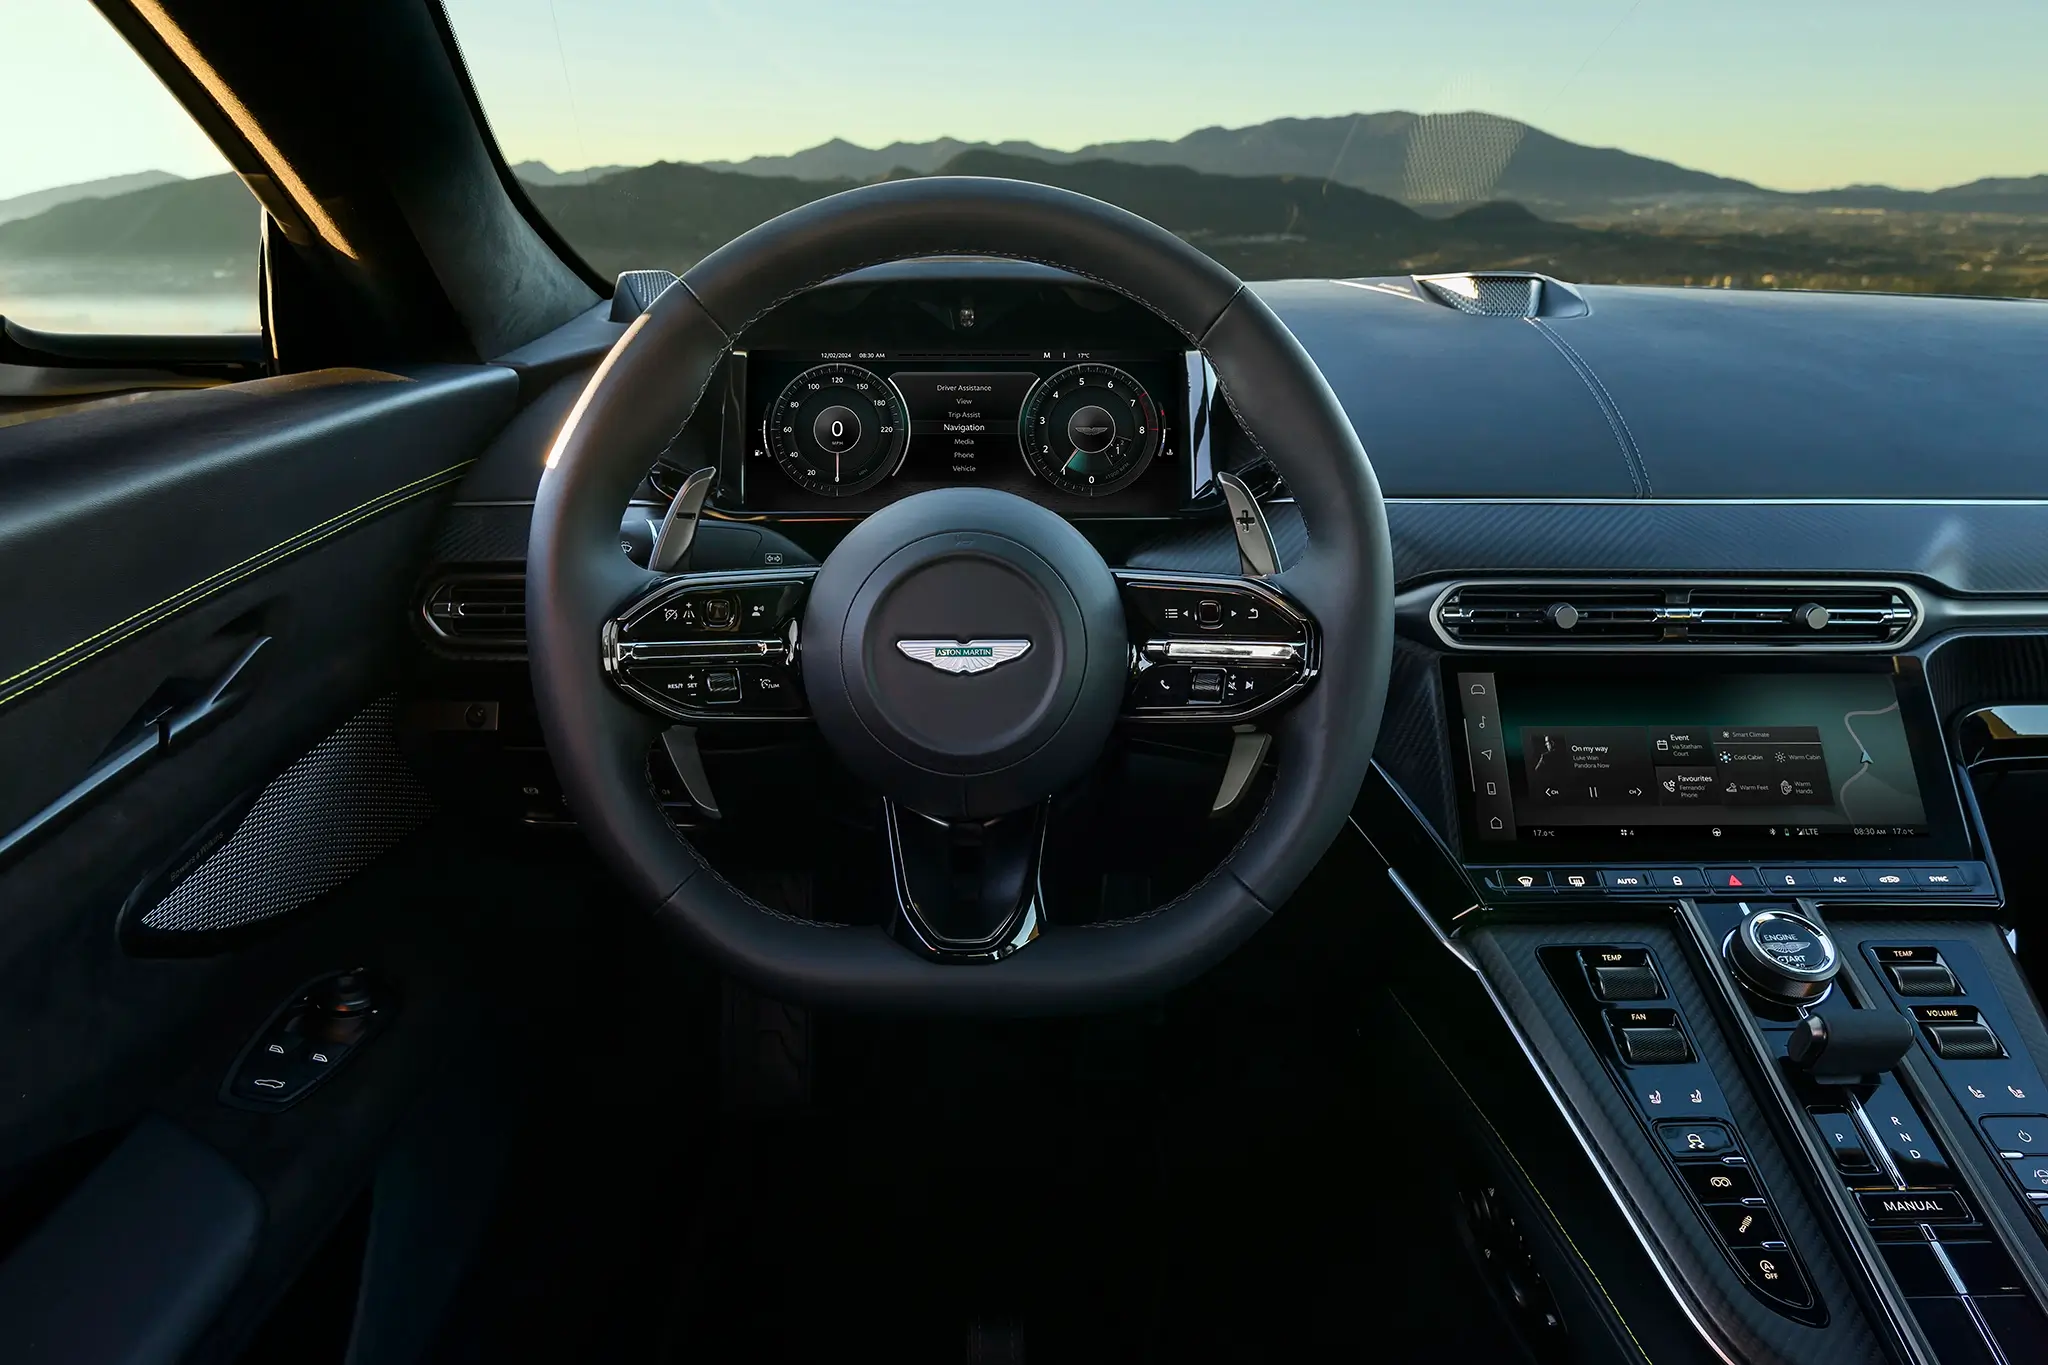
<point>1739,914</point>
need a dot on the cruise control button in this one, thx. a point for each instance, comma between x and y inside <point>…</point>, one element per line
<point>679,683</point>
<point>1719,1183</point>
<point>1696,1139</point>
<point>2023,1136</point>
<point>1745,1225</point>
<point>722,686</point>
<point>1773,1271</point>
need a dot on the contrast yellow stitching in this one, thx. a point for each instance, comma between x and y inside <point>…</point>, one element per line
<point>1533,1188</point>
<point>232,574</point>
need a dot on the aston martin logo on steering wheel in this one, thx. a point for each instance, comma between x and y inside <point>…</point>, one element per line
<point>970,656</point>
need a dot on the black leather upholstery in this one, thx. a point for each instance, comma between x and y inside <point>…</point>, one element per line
<point>134,1264</point>
<point>656,376</point>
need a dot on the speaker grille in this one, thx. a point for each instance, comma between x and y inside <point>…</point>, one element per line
<point>327,817</point>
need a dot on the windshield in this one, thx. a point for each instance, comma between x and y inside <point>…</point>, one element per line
<point>1831,144</point>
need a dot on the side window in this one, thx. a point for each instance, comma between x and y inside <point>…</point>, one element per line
<point>117,215</point>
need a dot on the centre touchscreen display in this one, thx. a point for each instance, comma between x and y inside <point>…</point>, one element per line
<point>1691,761</point>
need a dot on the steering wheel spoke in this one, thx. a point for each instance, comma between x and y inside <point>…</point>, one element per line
<point>966,890</point>
<point>1214,648</point>
<point>712,646</point>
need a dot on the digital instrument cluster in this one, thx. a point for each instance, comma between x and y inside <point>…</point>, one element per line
<point>849,431</point>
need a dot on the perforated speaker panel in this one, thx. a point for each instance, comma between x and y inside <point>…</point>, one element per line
<point>327,817</point>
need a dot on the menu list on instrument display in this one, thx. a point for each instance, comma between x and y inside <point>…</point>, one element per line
<point>963,424</point>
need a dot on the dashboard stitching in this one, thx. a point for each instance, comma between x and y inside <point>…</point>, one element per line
<point>1617,425</point>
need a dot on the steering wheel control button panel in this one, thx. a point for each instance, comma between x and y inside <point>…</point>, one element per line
<point>307,1041</point>
<point>1212,649</point>
<point>713,646</point>
<point>1783,956</point>
<point>1685,1116</point>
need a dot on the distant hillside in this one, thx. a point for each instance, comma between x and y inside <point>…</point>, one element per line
<point>1262,227</point>
<point>28,205</point>
<point>2010,194</point>
<point>212,216</point>
<point>1416,158</point>
<point>540,173</point>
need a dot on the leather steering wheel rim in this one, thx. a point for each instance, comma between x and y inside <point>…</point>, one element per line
<point>651,382</point>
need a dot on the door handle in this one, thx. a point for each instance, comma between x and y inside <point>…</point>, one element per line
<point>172,726</point>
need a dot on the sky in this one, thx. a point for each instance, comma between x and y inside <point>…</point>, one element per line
<point>1804,94</point>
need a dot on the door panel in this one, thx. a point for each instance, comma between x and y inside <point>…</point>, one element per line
<point>144,547</point>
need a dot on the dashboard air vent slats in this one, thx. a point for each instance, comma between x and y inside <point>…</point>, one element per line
<point>1573,612</point>
<point>485,611</point>
<point>1567,614</point>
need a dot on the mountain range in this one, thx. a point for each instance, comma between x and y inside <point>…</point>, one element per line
<point>1371,194</point>
<point>29,205</point>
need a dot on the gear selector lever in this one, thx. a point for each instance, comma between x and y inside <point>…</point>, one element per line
<point>1845,1047</point>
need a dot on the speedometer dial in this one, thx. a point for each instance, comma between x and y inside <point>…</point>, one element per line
<point>1090,429</point>
<point>838,429</point>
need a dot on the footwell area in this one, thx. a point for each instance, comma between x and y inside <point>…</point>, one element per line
<point>1221,1178</point>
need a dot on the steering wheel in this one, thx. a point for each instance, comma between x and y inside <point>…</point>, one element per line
<point>892,644</point>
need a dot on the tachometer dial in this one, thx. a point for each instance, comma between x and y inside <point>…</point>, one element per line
<point>838,429</point>
<point>1090,429</point>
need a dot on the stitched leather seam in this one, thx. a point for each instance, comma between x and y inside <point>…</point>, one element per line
<point>1534,1188</point>
<point>64,660</point>
<point>1617,425</point>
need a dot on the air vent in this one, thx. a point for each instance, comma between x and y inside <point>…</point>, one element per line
<point>1477,614</point>
<point>1828,615</point>
<point>479,611</point>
